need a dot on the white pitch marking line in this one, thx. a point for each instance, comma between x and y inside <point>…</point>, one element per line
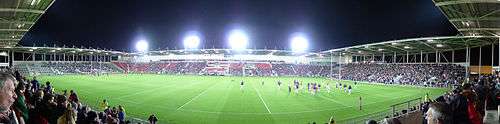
<point>262,100</point>
<point>194,98</point>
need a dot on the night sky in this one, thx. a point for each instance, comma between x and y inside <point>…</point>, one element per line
<point>118,24</point>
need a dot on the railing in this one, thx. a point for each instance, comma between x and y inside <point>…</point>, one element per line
<point>377,116</point>
<point>389,112</point>
<point>407,105</point>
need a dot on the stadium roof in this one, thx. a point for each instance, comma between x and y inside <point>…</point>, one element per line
<point>226,52</point>
<point>472,17</point>
<point>64,50</point>
<point>416,45</point>
<point>17,17</point>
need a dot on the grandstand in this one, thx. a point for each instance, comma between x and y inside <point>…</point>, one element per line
<point>199,85</point>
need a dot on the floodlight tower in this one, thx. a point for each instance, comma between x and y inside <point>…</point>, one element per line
<point>238,40</point>
<point>191,42</point>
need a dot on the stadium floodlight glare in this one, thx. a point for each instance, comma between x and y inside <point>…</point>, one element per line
<point>238,40</point>
<point>407,47</point>
<point>142,46</point>
<point>299,43</point>
<point>191,42</point>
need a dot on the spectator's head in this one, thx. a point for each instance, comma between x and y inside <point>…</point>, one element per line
<point>371,122</point>
<point>20,89</point>
<point>48,98</point>
<point>467,86</point>
<point>47,83</point>
<point>34,77</point>
<point>391,121</point>
<point>61,100</point>
<point>438,113</point>
<point>7,91</point>
<point>92,116</point>
<point>39,94</point>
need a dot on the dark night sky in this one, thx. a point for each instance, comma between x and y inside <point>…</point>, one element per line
<point>118,24</point>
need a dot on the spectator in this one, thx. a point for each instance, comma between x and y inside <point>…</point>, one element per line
<point>48,88</point>
<point>92,118</point>
<point>82,115</point>
<point>104,104</point>
<point>7,98</point>
<point>438,113</point>
<point>331,121</point>
<point>458,104</point>
<point>73,97</point>
<point>35,85</point>
<point>474,116</point>
<point>371,122</point>
<point>20,105</point>
<point>121,115</point>
<point>69,116</point>
<point>152,119</point>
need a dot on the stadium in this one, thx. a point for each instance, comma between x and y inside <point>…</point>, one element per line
<point>392,81</point>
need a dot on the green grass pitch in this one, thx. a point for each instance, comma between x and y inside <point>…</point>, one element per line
<point>219,100</point>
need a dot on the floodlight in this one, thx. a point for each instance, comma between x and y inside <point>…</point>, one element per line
<point>238,40</point>
<point>299,43</point>
<point>407,47</point>
<point>142,46</point>
<point>380,49</point>
<point>191,42</point>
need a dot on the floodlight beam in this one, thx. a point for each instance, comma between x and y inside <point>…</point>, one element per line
<point>299,43</point>
<point>191,42</point>
<point>238,40</point>
<point>142,46</point>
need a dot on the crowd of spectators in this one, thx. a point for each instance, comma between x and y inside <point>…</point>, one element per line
<point>28,101</point>
<point>162,67</point>
<point>248,69</point>
<point>466,104</point>
<point>57,68</point>
<point>410,74</point>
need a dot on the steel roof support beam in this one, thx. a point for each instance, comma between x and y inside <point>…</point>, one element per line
<point>436,56</point>
<point>383,57</point>
<point>444,57</point>
<point>421,53</point>
<point>492,54</point>
<point>475,19</point>
<point>9,39</point>
<point>480,64</point>
<point>22,10</point>
<point>467,61</point>
<point>14,30</point>
<point>407,56</point>
<point>453,56</point>
<point>18,22</point>
<point>464,2</point>
<point>394,58</point>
